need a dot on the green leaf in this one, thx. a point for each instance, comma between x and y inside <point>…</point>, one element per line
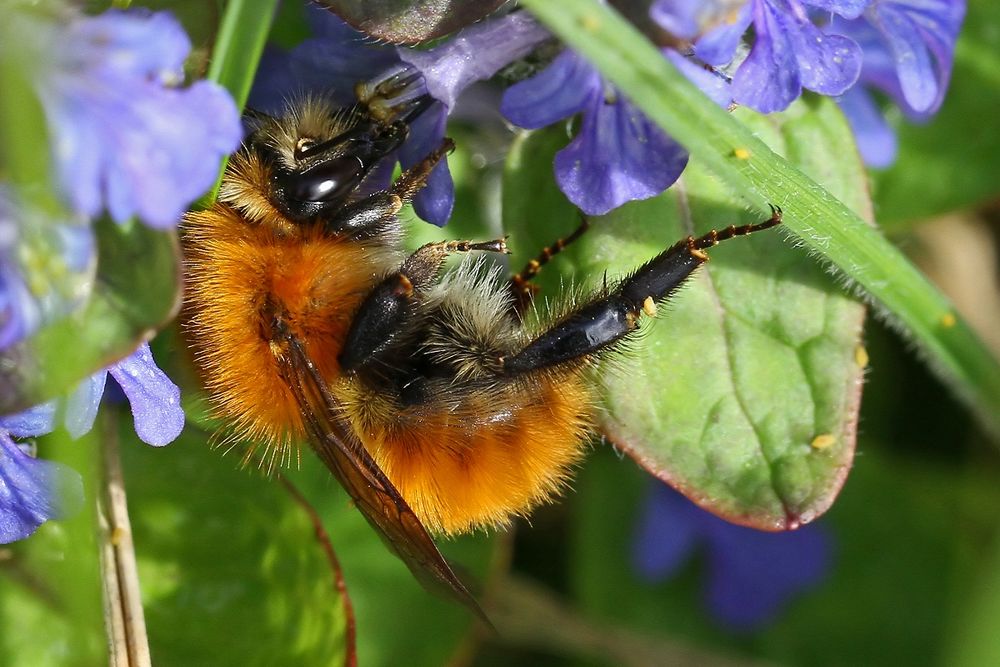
<point>239,45</point>
<point>137,291</point>
<point>398,622</point>
<point>950,162</point>
<point>723,395</point>
<point>975,640</point>
<point>823,224</point>
<point>409,21</point>
<point>229,563</point>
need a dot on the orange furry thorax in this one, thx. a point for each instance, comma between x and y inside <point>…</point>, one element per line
<point>235,273</point>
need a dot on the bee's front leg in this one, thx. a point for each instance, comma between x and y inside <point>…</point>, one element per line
<point>368,217</point>
<point>384,312</point>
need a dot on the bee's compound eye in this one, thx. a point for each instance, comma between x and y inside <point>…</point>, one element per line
<point>326,181</point>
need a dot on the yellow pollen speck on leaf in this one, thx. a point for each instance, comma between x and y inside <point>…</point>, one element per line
<point>823,441</point>
<point>948,320</point>
<point>590,23</point>
<point>861,356</point>
<point>741,154</point>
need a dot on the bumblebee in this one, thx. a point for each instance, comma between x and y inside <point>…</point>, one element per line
<point>424,392</point>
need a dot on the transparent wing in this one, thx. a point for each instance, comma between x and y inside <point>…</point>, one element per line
<point>377,498</point>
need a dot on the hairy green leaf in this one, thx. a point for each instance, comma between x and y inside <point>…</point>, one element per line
<point>744,392</point>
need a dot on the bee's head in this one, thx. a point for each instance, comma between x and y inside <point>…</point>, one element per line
<point>319,154</point>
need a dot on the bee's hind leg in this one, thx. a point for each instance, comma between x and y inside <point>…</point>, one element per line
<point>612,315</point>
<point>384,312</point>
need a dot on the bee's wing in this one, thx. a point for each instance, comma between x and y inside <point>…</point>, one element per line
<point>377,498</point>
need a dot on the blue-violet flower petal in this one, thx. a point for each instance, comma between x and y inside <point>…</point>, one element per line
<point>154,399</point>
<point>32,491</point>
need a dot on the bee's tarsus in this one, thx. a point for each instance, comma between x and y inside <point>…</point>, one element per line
<point>714,237</point>
<point>520,283</point>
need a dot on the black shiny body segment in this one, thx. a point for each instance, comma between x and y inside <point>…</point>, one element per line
<point>660,276</point>
<point>610,318</point>
<point>594,326</point>
<point>376,324</point>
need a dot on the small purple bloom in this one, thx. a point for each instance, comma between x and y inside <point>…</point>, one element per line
<point>618,155</point>
<point>751,574</point>
<point>687,19</point>
<point>331,63</point>
<point>153,397</point>
<point>32,491</point>
<point>125,137</point>
<point>908,53</point>
<point>874,136</point>
<point>921,35</point>
<point>789,52</point>
<point>474,54</point>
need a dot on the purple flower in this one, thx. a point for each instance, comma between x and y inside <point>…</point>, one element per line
<point>908,53</point>
<point>46,267</point>
<point>124,136</point>
<point>686,19</point>
<point>33,491</point>
<point>920,35</point>
<point>154,399</point>
<point>618,154</point>
<point>789,52</point>
<point>474,54</point>
<point>331,63</point>
<point>750,574</point>
<point>338,58</point>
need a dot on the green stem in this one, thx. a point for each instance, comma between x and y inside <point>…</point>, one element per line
<point>238,48</point>
<point>828,228</point>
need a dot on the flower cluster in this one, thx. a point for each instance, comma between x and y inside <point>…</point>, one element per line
<point>841,48</point>
<point>126,138</point>
<point>831,47</point>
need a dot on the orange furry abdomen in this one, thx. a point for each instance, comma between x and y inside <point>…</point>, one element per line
<point>237,273</point>
<point>477,465</point>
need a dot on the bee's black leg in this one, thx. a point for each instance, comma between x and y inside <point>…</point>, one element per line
<point>368,217</point>
<point>384,312</point>
<point>612,316</point>
<point>520,285</point>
